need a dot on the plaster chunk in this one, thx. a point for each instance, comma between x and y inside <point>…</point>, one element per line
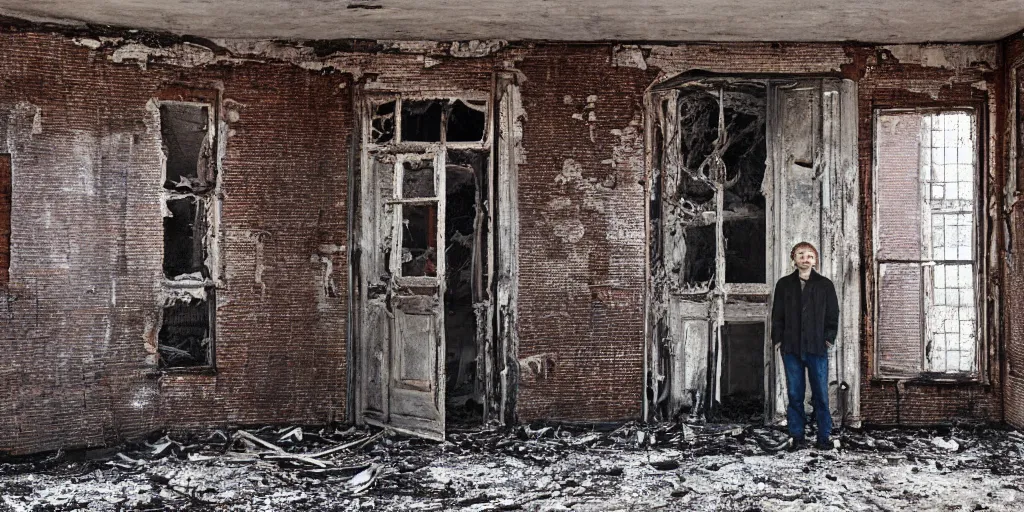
<point>470,49</point>
<point>628,56</point>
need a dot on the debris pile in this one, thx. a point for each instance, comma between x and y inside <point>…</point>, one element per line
<point>528,467</point>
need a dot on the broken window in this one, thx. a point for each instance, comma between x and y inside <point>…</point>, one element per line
<point>428,120</point>
<point>189,195</point>
<point>5,219</point>
<point>927,248</point>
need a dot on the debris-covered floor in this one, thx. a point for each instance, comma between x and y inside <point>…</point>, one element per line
<point>634,467</point>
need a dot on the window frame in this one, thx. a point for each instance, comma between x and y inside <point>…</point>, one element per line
<point>980,221</point>
<point>175,288</point>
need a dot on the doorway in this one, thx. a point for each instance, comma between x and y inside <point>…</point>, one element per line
<point>742,168</point>
<point>422,243</point>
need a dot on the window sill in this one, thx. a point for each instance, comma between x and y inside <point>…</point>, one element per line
<point>201,371</point>
<point>932,379</point>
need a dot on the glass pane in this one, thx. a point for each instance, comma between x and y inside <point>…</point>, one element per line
<point>951,319</point>
<point>421,120</point>
<point>419,240</point>
<point>699,261</point>
<point>417,178</point>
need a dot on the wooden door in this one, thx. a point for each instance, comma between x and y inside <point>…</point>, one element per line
<point>813,153</point>
<point>402,350</point>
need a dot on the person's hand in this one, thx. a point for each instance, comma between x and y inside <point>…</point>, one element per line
<point>829,345</point>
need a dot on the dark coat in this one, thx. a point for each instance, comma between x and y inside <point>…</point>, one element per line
<point>804,321</point>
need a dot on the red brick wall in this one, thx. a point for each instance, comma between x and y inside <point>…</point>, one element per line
<point>885,82</point>
<point>87,239</point>
<point>582,237</point>
<point>1013,298</point>
<point>87,248</point>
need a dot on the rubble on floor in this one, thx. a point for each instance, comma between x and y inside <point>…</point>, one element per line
<point>540,467</point>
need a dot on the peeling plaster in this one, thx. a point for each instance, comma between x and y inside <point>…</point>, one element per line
<point>955,57</point>
<point>185,55</point>
<point>538,366</point>
<point>476,48</point>
<point>628,56</point>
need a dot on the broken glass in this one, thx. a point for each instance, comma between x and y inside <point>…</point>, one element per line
<point>382,123</point>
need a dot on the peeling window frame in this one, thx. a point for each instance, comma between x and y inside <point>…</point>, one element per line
<point>186,287</point>
<point>979,253</point>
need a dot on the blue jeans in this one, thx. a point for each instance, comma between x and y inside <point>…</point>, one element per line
<point>817,373</point>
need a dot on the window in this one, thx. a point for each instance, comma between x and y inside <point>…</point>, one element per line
<point>927,237</point>
<point>189,208</point>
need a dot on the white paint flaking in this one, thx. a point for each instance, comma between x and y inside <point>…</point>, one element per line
<point>946,56</point>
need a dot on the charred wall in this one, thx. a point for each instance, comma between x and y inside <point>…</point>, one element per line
<point>1013,263</point>
<point>81,315</point>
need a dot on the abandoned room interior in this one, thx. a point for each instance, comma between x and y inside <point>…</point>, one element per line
<point>206,225</point>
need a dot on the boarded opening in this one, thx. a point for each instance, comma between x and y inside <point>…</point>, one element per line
<point>742,379</point>
<point>184,234</point>
<point>185,334</point>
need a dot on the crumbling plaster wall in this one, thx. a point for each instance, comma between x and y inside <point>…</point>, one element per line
<point>1013,299</point>
<point>83,302</point>
<point>79,321</point>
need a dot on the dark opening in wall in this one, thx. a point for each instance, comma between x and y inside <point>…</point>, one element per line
<point>185,336</point>
<point>5,219</point>
<point>742,379</point>
<point>465,257</point>
<point>421,120</point>
<point>184,128</point>
<point>744,204</point>
<point>466,121</point>
<point>184,237</point>
<point>699,265</point>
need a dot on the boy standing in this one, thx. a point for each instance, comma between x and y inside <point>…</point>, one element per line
<point>805,321</point>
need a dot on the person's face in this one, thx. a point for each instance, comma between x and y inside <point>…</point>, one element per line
<point>805,259</point>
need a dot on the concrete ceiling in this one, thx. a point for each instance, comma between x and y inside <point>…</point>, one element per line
<point>883,21</point>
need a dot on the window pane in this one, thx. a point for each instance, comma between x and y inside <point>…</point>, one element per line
<point>184,338</point>
<point>899,318</point>
<point>952,319</point>
<point>418,178</point>
<point>419,240</point>
<point>183,128</point>
<point>421,120</point>
<point>184,238</point>
<point>898,179</point>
